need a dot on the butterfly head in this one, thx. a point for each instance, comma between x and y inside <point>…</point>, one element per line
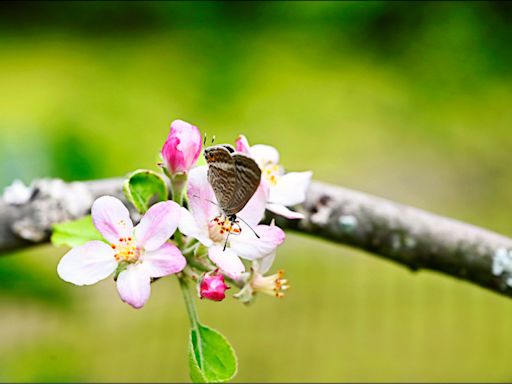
<point>215,153</point>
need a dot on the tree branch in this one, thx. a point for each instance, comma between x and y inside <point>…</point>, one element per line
<point>406,235</point>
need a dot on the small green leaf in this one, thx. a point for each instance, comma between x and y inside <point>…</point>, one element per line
<point>144,187</point>
<point>75,233</point>
<point>211,357</point>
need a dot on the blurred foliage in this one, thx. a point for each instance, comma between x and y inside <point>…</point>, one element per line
<point>410,101</point>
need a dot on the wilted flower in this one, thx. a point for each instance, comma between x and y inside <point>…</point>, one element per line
<point>204,223</point>
<point>273,285</point>
<point>284,189</point>
<point>139,253</point>
<point>213,287</point>
<point>182,147</point>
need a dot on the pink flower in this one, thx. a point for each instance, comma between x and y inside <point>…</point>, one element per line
<point>205,223</point>
<point>284,189</point>
<point>182,147</point>
<point>213,287</point>
<point>141,252</point>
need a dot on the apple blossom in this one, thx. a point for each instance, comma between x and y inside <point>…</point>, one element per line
<point>204,222</point>
<point>284,189</point>
<point>139,253</point>
<point>182,147</point>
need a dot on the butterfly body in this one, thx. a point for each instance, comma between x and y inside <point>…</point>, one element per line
<point>233,176</point>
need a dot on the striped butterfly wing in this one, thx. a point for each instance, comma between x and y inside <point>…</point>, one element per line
<point>221,174</point>
<point>247,180</point>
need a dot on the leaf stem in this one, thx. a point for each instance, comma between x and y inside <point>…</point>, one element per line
<point>189,303</point>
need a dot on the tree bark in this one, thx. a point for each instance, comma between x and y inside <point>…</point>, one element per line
<point>403,234</point>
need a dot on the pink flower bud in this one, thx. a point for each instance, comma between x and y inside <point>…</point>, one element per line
<point>182,147</point>
<point>213,287</point>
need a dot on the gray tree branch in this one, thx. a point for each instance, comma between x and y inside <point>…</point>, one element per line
<point>406,235</point>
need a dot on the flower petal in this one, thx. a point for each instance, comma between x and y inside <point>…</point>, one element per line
<point>263,265</point>
<point>290,189</point>
<point>201,199</point>
<point>133,285</point>
<point>248,246</point>
<point>87,264</point>
<point>182,147</point>
<point>226,260</point>
<point>264,154</point>
<point>189,227</point>
<point>111,218</point>
<point>242,145</point>
<point>254,211</point>
<point>164,261</point>
<point>157,225</point>
<point>281,210</point>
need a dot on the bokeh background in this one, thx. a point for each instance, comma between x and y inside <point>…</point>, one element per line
<point>409,101</point>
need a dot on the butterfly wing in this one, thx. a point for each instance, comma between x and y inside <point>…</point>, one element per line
<point>221,174</point>
<point>247,180</point>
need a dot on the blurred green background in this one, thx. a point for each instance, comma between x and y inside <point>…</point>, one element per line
<point>410,101</point>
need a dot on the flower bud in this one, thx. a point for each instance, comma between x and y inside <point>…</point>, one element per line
<point>182,147</point>
<point>213,287</point>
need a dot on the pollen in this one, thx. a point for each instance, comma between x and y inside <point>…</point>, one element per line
<point>126,250</point>
<point>271,173</point>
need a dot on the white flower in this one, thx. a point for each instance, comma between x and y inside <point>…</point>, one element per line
<point>284,189</point>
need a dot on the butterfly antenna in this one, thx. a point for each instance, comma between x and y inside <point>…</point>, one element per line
<point>226,242</point>
<point>213,139</point>
<point>204,140</point>
<point>252,229</point>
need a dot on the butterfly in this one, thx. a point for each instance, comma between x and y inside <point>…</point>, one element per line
<point>234,178</point>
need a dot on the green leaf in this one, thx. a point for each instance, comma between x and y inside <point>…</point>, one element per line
<point>143,188</point>
<point>75,233</point>
<point>211,357</point>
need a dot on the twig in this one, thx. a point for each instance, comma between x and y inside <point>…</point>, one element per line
<point>406,235</point>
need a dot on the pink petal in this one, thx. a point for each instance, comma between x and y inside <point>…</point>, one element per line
<point>242,145</point>
<point>254,211</point>
<point>290,189</point>
<point>133,285</point>
<point>111,218</point>
<point>226,260</point>
<point>164,261</point>
<point>189,227</point>
<point>281,210</point>
<point>182,147</point>
<point>264,154</point>
<point>87,264</point>
<point>248,246</point>
<point>201,198</point>
<point>157,225</point>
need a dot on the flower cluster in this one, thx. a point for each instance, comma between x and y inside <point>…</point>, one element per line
<point>192,235</point>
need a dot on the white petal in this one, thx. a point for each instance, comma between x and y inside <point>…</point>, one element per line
<point>290,189</point>
<point>263,265</point>
<point>164,261</point>
<point>201,199</point>
<point>248,246</point>
<point>87,264</point>
<point>281,210</point>
<point>264,154</point>
<point>254,211</point>
<point>133,285</point>
<point>189,227</point>
<point>226,260</point>
<point>157,225</point>
<point>111,218</point>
